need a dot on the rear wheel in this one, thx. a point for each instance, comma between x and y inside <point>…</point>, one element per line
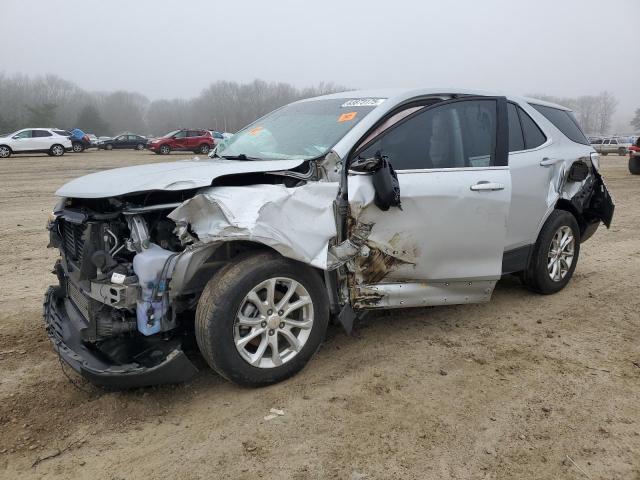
<point>555,254</point>
<point>634,165</point>
<point>261,319</point>
<point>204,149</point>
<point>77,147</point>
<point>5,152</point>
<point>140,146</point>
<point>622,152</point>
<point>57,150</point>
<point>165,150</point>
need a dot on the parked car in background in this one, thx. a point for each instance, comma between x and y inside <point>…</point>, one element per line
<point>93,139</point>
<point>615,145</point>
<point>197,141</point>
<point>634,157</point>
<point>124,140</point>
<point>53,142</point>
<point>338,205</point>
<point>80,141</point>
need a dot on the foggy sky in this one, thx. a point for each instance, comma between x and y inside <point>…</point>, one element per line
<point>175,49</point>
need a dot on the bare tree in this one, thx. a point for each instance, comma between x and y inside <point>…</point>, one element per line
<point>51,101</point>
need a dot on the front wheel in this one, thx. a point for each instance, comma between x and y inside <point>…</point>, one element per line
<point>57,150</point>
<point>259,320</point>
<point>108,146</point>
<point>622,152</point>
<point>140,146</point>
<point>165,150</point>
<point>634,165</point>
<point>555,254</point>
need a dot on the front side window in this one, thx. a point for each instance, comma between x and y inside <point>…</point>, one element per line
<point>180,134</point>
<point>298,131</point>
<point>453,135</point>
<point>564,121</point>
<point>23,134</point>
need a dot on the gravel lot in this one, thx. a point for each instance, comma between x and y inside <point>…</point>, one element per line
<point>526,386</point>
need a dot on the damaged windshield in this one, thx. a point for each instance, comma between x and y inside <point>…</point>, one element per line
<point>299,131</point>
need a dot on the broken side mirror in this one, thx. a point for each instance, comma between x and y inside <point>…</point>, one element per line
<point>578,172</point>
<point>384,179</point>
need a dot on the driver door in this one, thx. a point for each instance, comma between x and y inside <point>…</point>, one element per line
<point>445,245</point>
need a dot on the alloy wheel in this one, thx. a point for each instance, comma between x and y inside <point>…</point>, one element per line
<point>77,148</point>
<point>561,252</point>
<point>4,152</point>
<point>273,323</point>
<point>57,150</point>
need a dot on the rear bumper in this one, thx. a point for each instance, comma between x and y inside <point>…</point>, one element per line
<point>156,363</point>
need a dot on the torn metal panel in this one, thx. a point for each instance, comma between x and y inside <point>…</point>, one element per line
<point>297,222</point>
<point>400,295</point>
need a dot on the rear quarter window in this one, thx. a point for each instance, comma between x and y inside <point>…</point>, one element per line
<point>563,121</point>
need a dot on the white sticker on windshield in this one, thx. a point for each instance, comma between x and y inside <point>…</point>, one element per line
<point>363,102</point>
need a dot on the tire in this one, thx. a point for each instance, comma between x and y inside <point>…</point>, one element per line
<point>56,150</point>
<point>203,149</point>
<point>5,152</point>
<point>634,165</point>
<point>622,152</point>
<point>164,150</point>
<point>140,146</point>
<point>217,319</point>
<point>77,147</point>
<point>108,146</point>
<point>538,275</point>
<point>604,154</point>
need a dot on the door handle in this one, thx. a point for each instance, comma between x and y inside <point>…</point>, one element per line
<point>547,162</point>
<point>484,186</point>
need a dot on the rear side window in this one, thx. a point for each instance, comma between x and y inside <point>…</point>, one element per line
<point>533,136</point>
<point>563,121</point>
<point>62,132</point>
<point>516,137</point>
<point>41,133</point>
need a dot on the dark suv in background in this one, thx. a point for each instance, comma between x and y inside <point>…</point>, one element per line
<point>197,141</point>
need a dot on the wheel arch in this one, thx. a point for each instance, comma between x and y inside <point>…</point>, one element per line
<point>196,266</point>
<point>567,206</point>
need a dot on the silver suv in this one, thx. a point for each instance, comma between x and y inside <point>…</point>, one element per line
<point>319,211</point>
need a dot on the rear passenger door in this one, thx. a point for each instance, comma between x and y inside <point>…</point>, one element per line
<point>531,172</point>
<point>41,139</point>
<point>451,161</point>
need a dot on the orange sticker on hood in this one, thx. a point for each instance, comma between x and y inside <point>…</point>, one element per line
<point>345,117</point>
<point>255,131</point>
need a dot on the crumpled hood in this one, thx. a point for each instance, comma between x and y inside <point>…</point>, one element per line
<point>171,176</point>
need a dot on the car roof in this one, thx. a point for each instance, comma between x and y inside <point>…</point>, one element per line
<point>401,94</point>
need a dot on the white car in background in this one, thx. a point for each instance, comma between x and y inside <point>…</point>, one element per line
<point>35,140</point>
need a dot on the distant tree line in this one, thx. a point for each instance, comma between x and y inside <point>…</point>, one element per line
<point>50,101</point>
<point>593,112</point>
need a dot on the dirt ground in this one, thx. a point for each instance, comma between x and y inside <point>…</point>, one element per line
<point>526,386</point>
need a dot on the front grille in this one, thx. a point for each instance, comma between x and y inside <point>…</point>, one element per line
<point>72,240</point>
<point>79,299</point>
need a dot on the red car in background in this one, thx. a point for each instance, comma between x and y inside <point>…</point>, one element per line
<point>197,141</point>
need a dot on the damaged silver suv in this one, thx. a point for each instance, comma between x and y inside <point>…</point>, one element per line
<point>319,211</point>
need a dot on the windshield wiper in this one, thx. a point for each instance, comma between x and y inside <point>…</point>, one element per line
<point>240,156</point>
